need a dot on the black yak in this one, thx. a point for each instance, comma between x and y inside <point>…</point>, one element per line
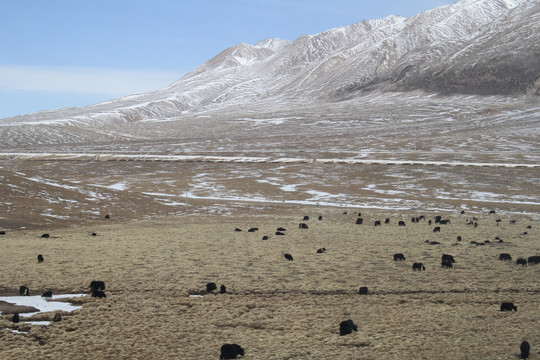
<point>347,327</point>
<point>505,256</point>
<point>363,290</point>
<point>230,351</point>
<point>418,266</point>
<point>40,258</point>
<point>508,306</point>
<point>525,349</point>
<point>288,257</point>
<point>211,287</point>
<point>399,257</point>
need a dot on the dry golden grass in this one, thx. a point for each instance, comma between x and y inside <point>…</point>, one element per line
<point>277,309</point>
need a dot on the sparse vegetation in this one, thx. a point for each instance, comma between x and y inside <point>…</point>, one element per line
<point>277,309</point>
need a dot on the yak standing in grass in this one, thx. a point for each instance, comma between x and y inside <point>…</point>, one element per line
<point>347,327</point>
<point>230,351</point>
<point>399,257</point>
<point>211,287</point>
<point>525,349</point>
<point>508,306</point>
<point>363,290</point>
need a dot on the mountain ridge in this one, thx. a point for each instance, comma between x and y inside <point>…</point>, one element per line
<point>476,47</point>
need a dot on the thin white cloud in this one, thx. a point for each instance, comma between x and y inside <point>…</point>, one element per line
<point>112,82</point>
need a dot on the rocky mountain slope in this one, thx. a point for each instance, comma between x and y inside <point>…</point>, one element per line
<point>477,47</point>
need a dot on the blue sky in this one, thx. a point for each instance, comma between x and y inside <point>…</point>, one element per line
<point>63,53</point>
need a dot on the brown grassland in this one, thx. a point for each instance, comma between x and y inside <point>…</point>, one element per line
<point>274,308</point>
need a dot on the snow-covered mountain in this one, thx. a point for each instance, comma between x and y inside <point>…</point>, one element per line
<point>482,47</point>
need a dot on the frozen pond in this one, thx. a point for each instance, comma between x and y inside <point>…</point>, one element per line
<point>42,304</point>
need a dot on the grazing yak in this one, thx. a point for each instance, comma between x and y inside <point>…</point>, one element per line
<point>521,261</point>
<point>211,287</point>
<point>253,229</point>
<point>399,257</point>
<point>533,260</point>
<point>93,234</point>
<point>387,221</point>
<point>288,257</point>
<point>321,251</point>
<point>418,266</point>
<point>363,290</point>
<point>45,236</point>
<point>306,218</point>
<point>281,229</point>
<point>47,294</point>
<point>2,232</point>
<point>505,256</point>
<point>279,233</point>
<point>265,237</point>
<point>377,223</point>
<point>97,285</point>
<point>508,306</point>
<point>237,229</point>
<point>23,291</point>
<point>222,289</point>
<point>230,351</point>
<point>401,223</point>
<point>320,217</point>
<point>346,327</point>
<point>57,317</point>
<point>40,258</point>
<point>525,349</point>
<point>437,229</point>
<point>16,318</point>
<point>359,221</point>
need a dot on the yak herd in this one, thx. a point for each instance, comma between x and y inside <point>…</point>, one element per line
<point>346,327</point>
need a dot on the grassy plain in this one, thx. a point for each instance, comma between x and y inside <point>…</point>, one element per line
<point>274,308</point>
